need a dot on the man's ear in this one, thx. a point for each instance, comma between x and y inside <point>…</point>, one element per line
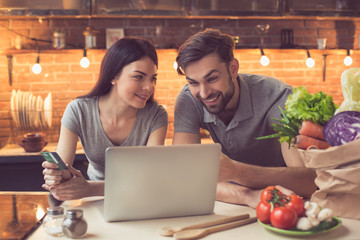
<point>234,67</point>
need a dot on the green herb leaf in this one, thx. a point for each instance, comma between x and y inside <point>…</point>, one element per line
<point>324,225</point>
<point>300,106</point>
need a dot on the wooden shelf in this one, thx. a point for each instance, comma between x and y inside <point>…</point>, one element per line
<point>62,51</point>
<point>242,50</point>
<point>298,51</point>
<point>283,17</point>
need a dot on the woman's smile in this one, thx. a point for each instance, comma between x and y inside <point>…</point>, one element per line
<point>143,97</point>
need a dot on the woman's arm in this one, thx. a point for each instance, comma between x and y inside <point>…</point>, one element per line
<point>67,145</point>
<point>66,150</point>
<point>77,187</point>
<point>61,184</point>
<point>157,137</point>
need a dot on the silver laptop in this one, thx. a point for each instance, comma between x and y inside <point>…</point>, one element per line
<point>144,182</point>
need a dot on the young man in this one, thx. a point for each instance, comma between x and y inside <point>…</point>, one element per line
<point>236,108</point>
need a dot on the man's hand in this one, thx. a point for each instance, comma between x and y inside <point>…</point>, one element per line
<point>226,168</point>
<point>233,193</point>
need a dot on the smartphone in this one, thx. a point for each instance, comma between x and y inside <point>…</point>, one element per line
<point>54,158</point>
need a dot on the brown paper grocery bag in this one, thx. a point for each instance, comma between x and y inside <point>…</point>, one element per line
<point>338,177</point>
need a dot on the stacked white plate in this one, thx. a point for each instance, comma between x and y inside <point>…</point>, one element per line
<point>29,111</point>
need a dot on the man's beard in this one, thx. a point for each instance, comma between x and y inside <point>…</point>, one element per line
<point>224,99</point>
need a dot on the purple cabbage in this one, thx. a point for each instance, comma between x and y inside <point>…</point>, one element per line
<point>342,128</point>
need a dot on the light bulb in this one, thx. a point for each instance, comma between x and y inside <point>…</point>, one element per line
<point>175,65</point>
<point>310,62</point>
<point>84,62</point>
<point>348,60</point>
<point>264,60</point>
<point>36,68</point>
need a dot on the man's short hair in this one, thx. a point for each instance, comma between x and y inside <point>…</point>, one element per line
<point>202,44</point>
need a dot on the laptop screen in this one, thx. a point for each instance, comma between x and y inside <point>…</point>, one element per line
<point>160,181</point>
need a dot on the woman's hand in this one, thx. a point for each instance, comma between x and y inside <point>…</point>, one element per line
<point>52,175</point>
<point>74,188</point>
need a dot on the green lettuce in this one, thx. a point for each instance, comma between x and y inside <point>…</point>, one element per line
<point>300,106</point>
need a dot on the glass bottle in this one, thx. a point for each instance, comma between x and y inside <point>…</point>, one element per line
<point>53,221</point>
<point>74,225</point>
<point>18,44</point>
<point>59,39</point>
<point>90,38</point>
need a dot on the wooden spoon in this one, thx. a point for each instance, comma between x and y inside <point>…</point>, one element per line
<point>169,231</point>
<point>202,232</point>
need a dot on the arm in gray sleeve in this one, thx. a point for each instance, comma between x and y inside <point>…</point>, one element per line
<point>70,118</point>
<point>160,119</point>
<point>187,114</point>
<point>274,111</point>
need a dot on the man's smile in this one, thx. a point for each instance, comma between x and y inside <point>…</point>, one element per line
<point>211,100</point>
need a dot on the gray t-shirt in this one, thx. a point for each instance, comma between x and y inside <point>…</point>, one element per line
<point>260,98</point>
<point>81,117</point>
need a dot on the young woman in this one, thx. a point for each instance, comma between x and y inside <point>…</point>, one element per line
<point>118,111</point>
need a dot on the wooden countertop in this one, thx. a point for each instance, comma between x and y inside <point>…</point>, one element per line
<point>147,229</point>
<point>16,150</point>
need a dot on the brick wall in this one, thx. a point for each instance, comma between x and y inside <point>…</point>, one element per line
<point>63,76</point>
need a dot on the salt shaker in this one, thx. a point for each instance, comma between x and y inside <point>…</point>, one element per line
<point>74,225</point>
<point>53,221</point>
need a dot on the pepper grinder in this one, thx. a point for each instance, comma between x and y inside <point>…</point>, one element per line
<point>74,225</point>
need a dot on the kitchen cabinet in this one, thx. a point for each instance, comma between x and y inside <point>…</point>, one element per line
<point>24,172</point>
<point>237,8</point>
<point>180,8</point>
<point>44,7</point>
<point>335,8</point>
<point>141,7</point>
<point>324,7</point>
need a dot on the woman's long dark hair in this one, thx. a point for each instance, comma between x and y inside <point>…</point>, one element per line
<point>120,54</point>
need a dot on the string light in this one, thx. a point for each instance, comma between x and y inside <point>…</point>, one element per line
<point>175,65</point>
<point>84,62</point>
<point>36,68</point>
<point>348,60</point>
<point>309,61</point>
<point>264,60</point>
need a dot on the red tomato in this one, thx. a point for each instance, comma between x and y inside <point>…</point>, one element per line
<point>269,193</point>
<point>283,218</point>
<point>296,202</point>
<point>263,211</point>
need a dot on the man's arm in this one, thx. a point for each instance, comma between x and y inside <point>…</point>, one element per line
<point>298,179</point>
<point>186,138</point>
<point>249,179</point>
<point>237,194</point>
